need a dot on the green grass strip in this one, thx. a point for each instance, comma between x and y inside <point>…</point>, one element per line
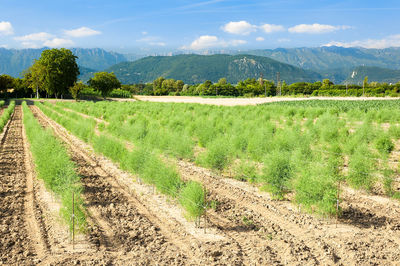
<point>6,115</point>
<point>54,166</point>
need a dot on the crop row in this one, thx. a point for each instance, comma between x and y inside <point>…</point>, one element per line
<point>6,114</point>
<point>140,160</point>
<point>54,166</point>
<point>305,149</point>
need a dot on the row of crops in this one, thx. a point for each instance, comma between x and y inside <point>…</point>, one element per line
<point>140,161</point>
<point>5,116</point>
<point>298,150</point>
<point>54,166</point>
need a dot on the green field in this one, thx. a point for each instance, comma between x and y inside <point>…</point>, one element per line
<point>301,150</point>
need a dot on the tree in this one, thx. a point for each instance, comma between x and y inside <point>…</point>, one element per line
<point>59,68</point>
<point>76,90</point>
<point>6,82</point>
<point>222,81</point>
<point>35,77</point>
<point>104,82</point>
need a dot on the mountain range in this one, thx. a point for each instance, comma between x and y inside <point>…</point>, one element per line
<point>294,64</point>
<point>199,68</point>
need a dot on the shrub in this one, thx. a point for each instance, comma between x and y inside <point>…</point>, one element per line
<point>217,155</point>
<point>277,173</point>
<point>360,168</point>
<point>192,198</point>
<point>384,144</point>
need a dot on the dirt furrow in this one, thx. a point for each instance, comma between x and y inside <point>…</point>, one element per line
<point>295,243</point>
<point>360,237</point>
<point>20,237</point>
<point>132,233</point>
<point>198,251</point>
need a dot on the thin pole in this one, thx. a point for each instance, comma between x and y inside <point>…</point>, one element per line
<point>73,220</point>
<point>205,210</point>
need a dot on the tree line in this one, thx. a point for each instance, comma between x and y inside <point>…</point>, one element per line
<point>260,87</point>
<point>55,74</point>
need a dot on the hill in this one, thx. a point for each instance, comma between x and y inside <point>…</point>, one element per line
<point>374,74</point>
<point>14,61</point>
<point>323,58</point>
<point>199,68</point>
<point>335,63</point>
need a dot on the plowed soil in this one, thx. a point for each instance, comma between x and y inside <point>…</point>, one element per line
<point>127,223</point>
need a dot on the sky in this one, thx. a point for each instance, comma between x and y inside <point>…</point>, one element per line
<point>148,26</point>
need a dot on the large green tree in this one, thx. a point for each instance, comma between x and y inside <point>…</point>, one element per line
<point>104,82</point>
<point>55,72</point>
<point>61,70</point>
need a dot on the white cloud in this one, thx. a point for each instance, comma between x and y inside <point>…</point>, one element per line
<point>3,46</point>
<point>236,42</point>
<point>390,41</point>
<point>58,42</point>
<point>205,41</point>
<point>6,28</point>
<point>144,32</point>
<point>209,41</point>
<point>316,28</point>
<point>270,28</point>
<point>260,39</point>
<point>40,36</point>
<point>81,32</point>
<point>157,43</point>
<point>240,27</point>
<point>32,45</point>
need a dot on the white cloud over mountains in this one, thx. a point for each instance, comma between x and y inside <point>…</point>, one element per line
<point>58,42</point>
<point>6,28</point>
<point>81,32</point>
<point>209,41</point>
<point>240,27</point>
<point>245,28</point>
<point>270,28</point>
<point>316,28</point>
<point>390,41</point>
<point>40,36</point>
<point>40,39</point>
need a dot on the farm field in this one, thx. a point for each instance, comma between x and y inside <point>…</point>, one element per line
<point>293,182</point>
<point>226,101</point>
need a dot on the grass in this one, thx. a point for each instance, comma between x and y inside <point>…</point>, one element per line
<point>55,168</point>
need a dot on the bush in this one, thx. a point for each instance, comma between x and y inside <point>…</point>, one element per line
<point>277,173</point>
<point>384,144</point>
<point>315,188</point>
<point>192,198</point>
<point>217,155</point>
<point>360,168</point>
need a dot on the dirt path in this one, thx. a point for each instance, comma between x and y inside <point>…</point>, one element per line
<point>20,241</point>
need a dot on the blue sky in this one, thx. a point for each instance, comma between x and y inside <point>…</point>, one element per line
<point>148,26</point>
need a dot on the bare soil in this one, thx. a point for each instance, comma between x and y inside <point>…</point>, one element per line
<point>367,233</point>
